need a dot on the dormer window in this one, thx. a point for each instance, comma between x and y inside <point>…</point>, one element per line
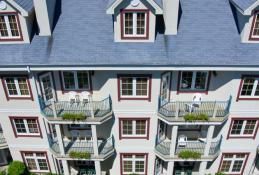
<point>254,35</point>
<point>134,24</point>
<point>9,27</point>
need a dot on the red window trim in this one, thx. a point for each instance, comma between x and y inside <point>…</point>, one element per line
<point>25,117</point>
<point>44,152</point>
<point>17,98</point>
<point>240,87</point>
<point>243,168</point>
<point>78,91</point>
<point>134,137</point>
<point>252,27</point>
<point>19,27</point>
<point>243,136</point>
<point>206,91</point>
<point>149,76</point>
<point>123,11</point>
<point>146,163</point>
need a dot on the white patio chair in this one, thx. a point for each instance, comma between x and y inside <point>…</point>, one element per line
<point>85,97</point>
<point>72,97</point>
<point>196,103</point>
<point>182,141</point>
<point>87,134</point>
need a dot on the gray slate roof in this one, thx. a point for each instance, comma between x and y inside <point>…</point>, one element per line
<point>83,36</point>
<point>243,4</point>
<point>25,4</point>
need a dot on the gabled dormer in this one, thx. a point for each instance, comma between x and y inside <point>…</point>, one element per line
<point>247,19</point>
<point>15,21</point>
<point>134,20</point>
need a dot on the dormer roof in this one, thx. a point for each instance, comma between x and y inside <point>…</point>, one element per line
<point>23,6</point>
<point>245,6</point>
<point>156,4</point>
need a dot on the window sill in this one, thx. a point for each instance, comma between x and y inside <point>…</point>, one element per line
<point>135,98</point>
<point>247,98</point>
<point>19,98</point>
<point>134,137</point>
<point>28,135</point>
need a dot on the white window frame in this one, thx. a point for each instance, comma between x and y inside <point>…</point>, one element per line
<point>134,124</point>
<point>7,23</point>
<point>35,157</point>
<point>233,159</point>
<point>133,160</point>
<point>75,80</point>
<point>256,15</point>
<point>26,127</point>
<point>256,82</point>
<point>134,21</point>
<point>243,129</point>
<point>17,87</point>
<point>194,73</point>
<point>134,88</point>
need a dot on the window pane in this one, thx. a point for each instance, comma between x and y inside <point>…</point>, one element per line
<point>13,25</point>
<point>11,86</point>
<point>225,166</point>
<point>141,127</point>
<point>237,126</point>
<point>43,164</point>
<point>69,80</point>
<point>24,90</point>
<point>83,82</point>
<point>20,126</point>
<point>257,89</point>
<point>31,164</point>
<point>200,82</point>
<point>47,88</point>
<point>32,125</point>
<point>128,26</point>
<point>256,27</point>
<point>126,86</point>
<point>248,86</point>
<point>250,126</point>
<point>140,166</point>
<point>237,166</point>
<point>186,82</point>
<point>127,127</point>
<point>141,86</point>
<point>3,28</point>
<point>140,23</point>
<point>127,166</point>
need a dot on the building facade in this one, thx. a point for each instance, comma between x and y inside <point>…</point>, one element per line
<point>124,87</point>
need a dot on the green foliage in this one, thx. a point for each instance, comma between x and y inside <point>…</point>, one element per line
<point>80,155</point>
<point>194,117</point>
<point>220,173</point>
<point>2,173</point>
<point>187,154</point>
<point>17,168</point>
<point>71,116</point>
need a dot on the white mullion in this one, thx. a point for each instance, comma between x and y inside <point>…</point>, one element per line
<point>232,164</point>
<point>37,163</point>
<point>254,87</point>
<point>134,164</point>
<point>8,26</point>
<point>26,126</point>
<point>134,127</point>
<point>134,16</point>
<point>193,80</point>
<point>17,86</point>
<point>243,127</point>
<point>145,23</point>
<point>134,84</point>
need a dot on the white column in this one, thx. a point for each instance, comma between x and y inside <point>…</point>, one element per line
<point>95,140</point>
<point>60,140</point>
<point>203,166</point>
<point>97,165</point>
<point>173,140</point>
<point>170,168</point>
<point>65,167</point>
<point>34,88</point>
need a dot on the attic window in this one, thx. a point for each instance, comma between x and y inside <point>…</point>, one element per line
<point>134,24</point>
<point>254,34</point>
<point>9,27</point>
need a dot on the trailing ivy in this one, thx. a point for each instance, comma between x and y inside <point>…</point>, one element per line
<point>187,154</point>
<point>196,117</point>
<point>71,116</point>
<point>79,155</point>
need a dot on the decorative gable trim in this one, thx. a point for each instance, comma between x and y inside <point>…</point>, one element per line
<point>18,8</point>
<point>248,11</point>
<point>111,8</point>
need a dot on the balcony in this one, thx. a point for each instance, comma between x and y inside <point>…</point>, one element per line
<point>174,111</point>
<point>3,143</point>
<point>95,111</point>
<point>163,149</point>
<point>105,148</point>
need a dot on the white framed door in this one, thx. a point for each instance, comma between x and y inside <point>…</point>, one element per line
<point>165,87</point>
<point>47,87</point>
<point>161,131</point>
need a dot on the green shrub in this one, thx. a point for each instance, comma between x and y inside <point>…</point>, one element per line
<point>70,116</point>
<point>2,173</point>
<point>220,173</point>
<point>17,168</point>
<point>80,155</point>
<point>194,117</point>
<point>187,154</point>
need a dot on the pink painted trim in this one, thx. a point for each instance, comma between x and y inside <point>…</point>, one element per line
<point>252,27</point>
<point>121,163</point>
